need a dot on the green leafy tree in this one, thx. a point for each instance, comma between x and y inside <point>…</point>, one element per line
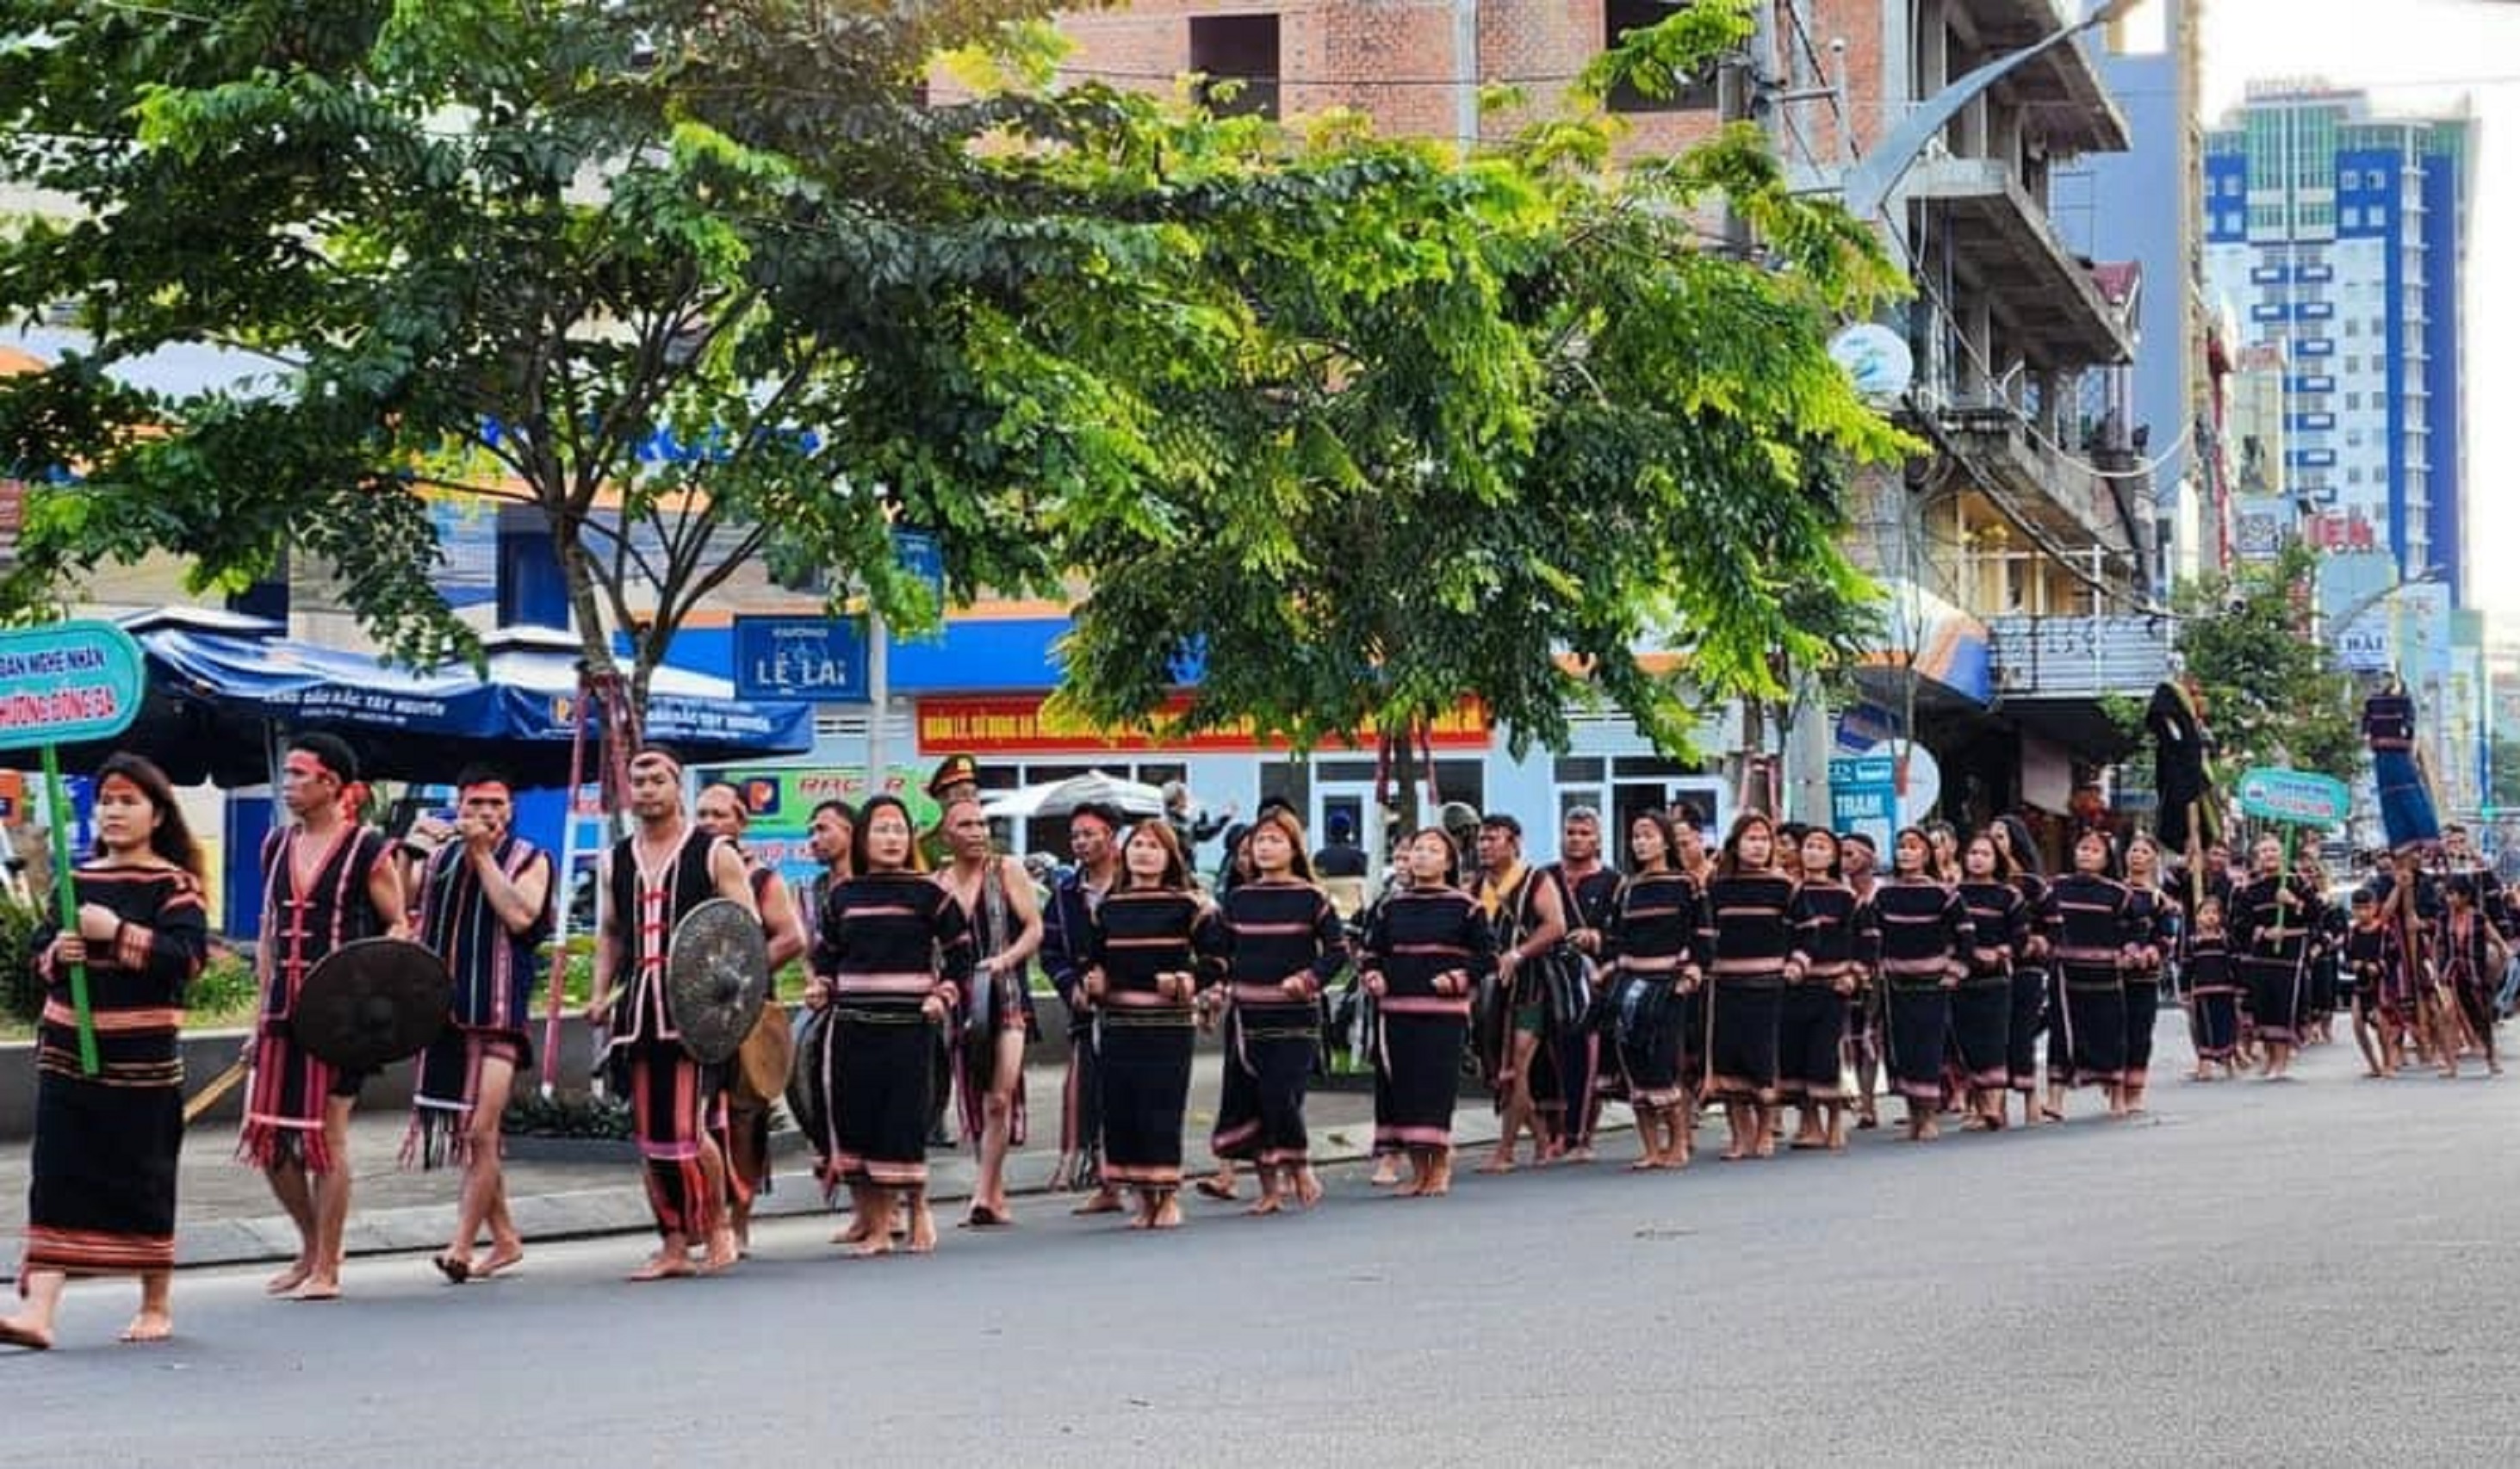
<point>1496,431</point>
<point>1360,426</point>
<point>2273,696</point>
<point>695,282</point>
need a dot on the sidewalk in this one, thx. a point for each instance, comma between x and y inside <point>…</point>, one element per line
<point>226,1215</point>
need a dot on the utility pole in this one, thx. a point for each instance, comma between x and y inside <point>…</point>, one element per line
<point>1737,86</point>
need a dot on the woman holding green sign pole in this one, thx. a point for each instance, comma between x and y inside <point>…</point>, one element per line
<point>102,1201</point>
<point>2274,921</point>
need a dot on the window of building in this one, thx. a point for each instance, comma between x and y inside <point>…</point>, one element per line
<point>2353,402</point>
<point>1696,94</point>
<point>2375,179</point>
<point>1238,56</point>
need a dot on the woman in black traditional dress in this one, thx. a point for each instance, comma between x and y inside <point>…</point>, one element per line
<point>891,956</point>
<point>1944,839</point>
<point>2318,1000</point>
<point>1923,942</point>
<point>102,1200</point>
<point>1426,950</point>
<point>2097,941</point>
<point>2275,923</point>
<point>1981,1005</point>
<point>1153,944</point>
<point>1746,936</point>
<point>1652,940</point>
<point>2213,987</point>
<point>2158,919</point>
<point>1283,946</point>
<point>1820,981</point>
<point>1690,859</point>
<point>2033,984</point>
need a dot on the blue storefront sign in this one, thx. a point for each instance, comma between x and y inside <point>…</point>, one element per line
<point>1863,796</point>
<point>819,659</point>
<point>919,554</point>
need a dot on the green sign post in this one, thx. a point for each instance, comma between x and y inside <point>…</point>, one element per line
<point>63,683</point>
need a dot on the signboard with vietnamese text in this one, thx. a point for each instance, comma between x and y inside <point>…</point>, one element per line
<point>816,659</point>
<point>67,683</point>
<point>60,685</point>
<point>1019,725</point>
<point>1863,796</point>
<point>2296,798</point>
<point>780,802</point>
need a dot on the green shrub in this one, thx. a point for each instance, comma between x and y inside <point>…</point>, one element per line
<point>21,992</point>
<point>531,1114</point>
<point>225,987</point>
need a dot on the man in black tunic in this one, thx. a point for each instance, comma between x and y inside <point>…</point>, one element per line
<point>653,877</point>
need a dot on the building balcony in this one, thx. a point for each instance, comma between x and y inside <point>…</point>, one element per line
<point>2004,242</point>
<point>2059,495</point>
<point>2078,657</point>
<point>2061,93</point>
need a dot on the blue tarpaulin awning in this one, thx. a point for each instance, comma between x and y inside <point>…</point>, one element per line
<point>216,697</point>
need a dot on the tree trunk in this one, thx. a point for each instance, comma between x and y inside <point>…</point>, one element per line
<point>577,572</point>
<point>599,675</point>
<point>1749,780</point>
<point>1402,757</point>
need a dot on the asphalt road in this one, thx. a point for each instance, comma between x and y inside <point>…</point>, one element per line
<point>2314,1272</point>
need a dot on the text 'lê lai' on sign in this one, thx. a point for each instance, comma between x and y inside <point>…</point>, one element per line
<point>816,659</point>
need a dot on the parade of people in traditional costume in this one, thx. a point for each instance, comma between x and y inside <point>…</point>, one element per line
<point>1783,968</point>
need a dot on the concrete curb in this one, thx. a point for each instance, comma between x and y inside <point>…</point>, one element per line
<point>596,1213</point>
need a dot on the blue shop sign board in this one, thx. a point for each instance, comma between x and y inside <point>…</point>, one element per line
<point>1863,796</point>
<point>818,659</point>
<point>919,554</point>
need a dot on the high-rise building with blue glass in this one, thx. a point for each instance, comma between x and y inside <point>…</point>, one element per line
<point>2339,237</point>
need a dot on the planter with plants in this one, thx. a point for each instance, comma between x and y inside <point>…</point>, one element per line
<point>568,1126</point>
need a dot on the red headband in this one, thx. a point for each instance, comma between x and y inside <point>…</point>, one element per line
<point>308,763</point>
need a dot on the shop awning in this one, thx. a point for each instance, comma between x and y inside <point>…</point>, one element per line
<point>216,699</point>
<point>1947,652</point>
